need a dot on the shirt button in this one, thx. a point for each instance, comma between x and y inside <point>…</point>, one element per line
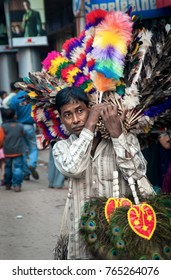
<point>94,182</point>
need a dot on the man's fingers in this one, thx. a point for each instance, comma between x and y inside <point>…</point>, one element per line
<point>110,109</point>
<point>123,115</point>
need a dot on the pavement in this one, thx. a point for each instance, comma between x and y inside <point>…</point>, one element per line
<point>30,220</point>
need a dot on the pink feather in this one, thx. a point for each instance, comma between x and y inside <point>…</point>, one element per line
<point>118,22</point>
<point>47,61</point>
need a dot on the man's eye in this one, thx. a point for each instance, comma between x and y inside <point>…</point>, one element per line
<point>67,115</point>
<point>80,110</point>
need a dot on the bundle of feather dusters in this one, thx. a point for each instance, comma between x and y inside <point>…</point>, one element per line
<point>116,229</point>
<point>115,59</point>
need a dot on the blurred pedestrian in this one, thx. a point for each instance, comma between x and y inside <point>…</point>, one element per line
<point>3,95</point>
<point>13,92</point>
<point>13,150</point>
<point>23,114</point>
<point>2,166</point>
<point>158,156</point>
<point>55,178</point>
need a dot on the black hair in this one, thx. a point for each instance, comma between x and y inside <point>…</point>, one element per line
<point>8,114</point>
<point>28,2</point>
<point>12,84</point>
<point>2,92</point>
<point>64,96</point>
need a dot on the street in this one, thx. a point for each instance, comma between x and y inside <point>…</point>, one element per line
<point>30,220</point>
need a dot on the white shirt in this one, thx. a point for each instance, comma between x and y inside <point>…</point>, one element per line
<point>93,176</point>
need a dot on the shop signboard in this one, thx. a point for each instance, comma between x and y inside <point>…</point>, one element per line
<point>27,23</point>
<point>144,8</point>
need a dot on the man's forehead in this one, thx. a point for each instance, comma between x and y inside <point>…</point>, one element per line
<point>72,104</point>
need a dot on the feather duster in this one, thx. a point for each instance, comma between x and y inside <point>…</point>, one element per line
<point>65,69</point>
<point>94,17</point>
<point>110,44</point>
<point>102,84</point>
<point>109,49</point>
<point>74,49</point>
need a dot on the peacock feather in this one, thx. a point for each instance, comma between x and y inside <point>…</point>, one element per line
<point>116,239</point>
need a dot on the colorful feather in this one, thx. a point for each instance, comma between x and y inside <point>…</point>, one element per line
<point>102,84</point>
<point>113,56</point>
<point>112,37</point>
<point>94,17</point>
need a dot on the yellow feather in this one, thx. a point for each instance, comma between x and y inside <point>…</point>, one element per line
<point>71,74</point>
<point>107,38</point>
<point>55,64</point>
<point>32,94</point>
<point>89,87</point>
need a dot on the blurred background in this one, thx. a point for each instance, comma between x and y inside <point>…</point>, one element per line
<point>60,20</point>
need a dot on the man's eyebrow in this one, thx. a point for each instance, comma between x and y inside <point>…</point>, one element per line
<point>77,107</point>
<point>67,112</point>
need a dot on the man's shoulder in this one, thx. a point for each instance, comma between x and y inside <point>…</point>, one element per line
<point>21,93</point>
<point>18,95</point>
<point>64,142</point>
<point>35,12</point>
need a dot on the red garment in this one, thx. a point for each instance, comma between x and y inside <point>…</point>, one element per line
<point>163,3</point>
<point>2,136</point>
<point>166,186</point>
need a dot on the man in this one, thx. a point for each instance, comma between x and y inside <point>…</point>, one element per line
<point>31,23</point>
<point>89,161</point>
<point>23,114</point>
<point>158,156</point>
<point>13,150</point>
<point>6,101</point>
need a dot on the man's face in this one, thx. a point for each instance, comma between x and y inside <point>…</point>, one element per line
<point>74,116</point>
<point>26,6</point>
<point>165,141</point>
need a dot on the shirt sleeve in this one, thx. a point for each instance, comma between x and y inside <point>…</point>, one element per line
<point>134,165</point>
<point>72,157</point>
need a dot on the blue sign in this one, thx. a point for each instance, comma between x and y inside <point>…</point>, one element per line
<point>144,8</point>
<point>76,4</point>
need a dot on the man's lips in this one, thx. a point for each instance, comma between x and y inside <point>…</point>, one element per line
<point>77,128</point>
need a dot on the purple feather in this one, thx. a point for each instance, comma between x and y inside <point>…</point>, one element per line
<point>158,109</point>
<point>89,49</point>
<point>108,53</point>
<point>94,23</point>
<point>47,115</point>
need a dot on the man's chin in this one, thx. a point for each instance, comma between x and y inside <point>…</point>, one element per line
<point>77,131</point>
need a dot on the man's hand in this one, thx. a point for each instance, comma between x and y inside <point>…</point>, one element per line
<point>94,115</point>
<point>111,119</point>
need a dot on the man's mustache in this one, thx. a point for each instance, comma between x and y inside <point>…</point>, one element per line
<point>77,126</point>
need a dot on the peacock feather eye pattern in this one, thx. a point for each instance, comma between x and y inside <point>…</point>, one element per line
<point>92,238</point>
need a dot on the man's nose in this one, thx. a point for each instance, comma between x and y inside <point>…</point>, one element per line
<point>75,118</point>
